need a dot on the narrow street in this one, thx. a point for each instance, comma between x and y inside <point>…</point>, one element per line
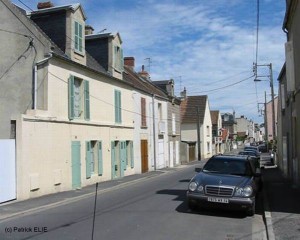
<point>154,208</point>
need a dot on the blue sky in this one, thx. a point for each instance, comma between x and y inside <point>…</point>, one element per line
<point>203,45</point>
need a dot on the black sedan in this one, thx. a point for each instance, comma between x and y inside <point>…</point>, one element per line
<point>226,181</point>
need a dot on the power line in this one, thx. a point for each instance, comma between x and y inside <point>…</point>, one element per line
<point>220,88</point>
<point>25,5</point>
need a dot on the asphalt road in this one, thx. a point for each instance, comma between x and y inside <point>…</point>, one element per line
<point>152,209</point>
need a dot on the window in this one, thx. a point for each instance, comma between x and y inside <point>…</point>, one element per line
<point>118,107</point>
<point>118,58</point>
<point>143,112</point>
<point>78,34</point>
<point>173,123</point>
<point>94,163</point>
<point>207,131</point>
<point>208,147</point>
<point>79,99</point>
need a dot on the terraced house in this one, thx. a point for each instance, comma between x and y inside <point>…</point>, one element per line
<point>72,114</point>
<point>63,115</point>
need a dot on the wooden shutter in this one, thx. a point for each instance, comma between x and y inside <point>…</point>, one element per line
<point>86,100</point>
<point>88,158</point>
<point>100,159</point>
<point>71,97</point>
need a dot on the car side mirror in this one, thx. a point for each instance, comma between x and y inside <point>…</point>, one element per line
<point>198,169</point>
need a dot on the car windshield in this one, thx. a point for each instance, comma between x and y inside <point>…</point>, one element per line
<point>228,166</point>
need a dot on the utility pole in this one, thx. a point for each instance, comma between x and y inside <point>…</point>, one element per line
<point>266,123</point>
<point>273,103</point>
<point>198,134</point>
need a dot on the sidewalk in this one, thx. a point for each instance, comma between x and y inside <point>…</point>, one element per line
<point>16,208</point>
<point>281,204</point>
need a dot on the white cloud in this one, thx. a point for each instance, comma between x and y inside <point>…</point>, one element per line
<point>201,41</point>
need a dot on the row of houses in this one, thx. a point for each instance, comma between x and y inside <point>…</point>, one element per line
<point>288,121</point>
<point>75,112</point>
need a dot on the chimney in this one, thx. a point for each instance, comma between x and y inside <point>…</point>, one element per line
<point>183,94</point>
<point>144,74</point>
<point>43,5</point>
<point>89,30</point>
<point>129,62</point>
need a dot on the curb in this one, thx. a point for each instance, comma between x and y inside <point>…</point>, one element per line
<point>5,217</point>
<point>268,216</point>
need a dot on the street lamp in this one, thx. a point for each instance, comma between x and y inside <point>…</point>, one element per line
<point>270,76</point>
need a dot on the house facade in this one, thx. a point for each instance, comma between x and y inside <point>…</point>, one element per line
<point>150,121</point>
<point>246,127</point>
<point>173,119</point>
<point>71,127</point>
<point>289,98</point>
<point>195,112</point>
<point>229,123</point>
<point>217,139</point>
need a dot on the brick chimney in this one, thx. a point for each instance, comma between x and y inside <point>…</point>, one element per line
<point>89,30</point>
<point>129,62</point>
<point>144,74</point>
<point>43,5</point>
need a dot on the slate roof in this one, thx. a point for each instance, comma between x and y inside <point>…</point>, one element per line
<point>72,7</point>
<point>214,117</point>
<point>137,82</point>
<point>90,61</point>
<point>188,108</point>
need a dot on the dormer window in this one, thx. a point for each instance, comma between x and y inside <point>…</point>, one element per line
<point>118,58</point>
<point>78,35</point>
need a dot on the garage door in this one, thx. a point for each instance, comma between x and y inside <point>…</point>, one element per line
<point>7,170</point>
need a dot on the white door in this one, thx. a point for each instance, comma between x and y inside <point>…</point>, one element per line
<point>160,160</point>
<point>177,152</point>
<point>7,170</point>
<point>171,154</point>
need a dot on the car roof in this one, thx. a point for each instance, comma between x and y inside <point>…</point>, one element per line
<point>231,157</point>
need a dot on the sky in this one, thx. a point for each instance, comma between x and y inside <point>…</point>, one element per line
<point>207,47</point>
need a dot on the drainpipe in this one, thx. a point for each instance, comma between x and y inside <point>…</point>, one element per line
<point>154,132</point>
<point>35,87</point>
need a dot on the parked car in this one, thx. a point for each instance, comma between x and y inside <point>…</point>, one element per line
<point>226,181</point>
<point>252,148</point>
<point>254,154</point>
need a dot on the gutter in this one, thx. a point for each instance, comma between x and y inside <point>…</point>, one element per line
<point>35,87</point>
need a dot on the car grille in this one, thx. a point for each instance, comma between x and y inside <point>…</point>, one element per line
<point>219,191</point>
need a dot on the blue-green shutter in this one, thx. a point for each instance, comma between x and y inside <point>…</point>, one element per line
<point>113,161</point>
<point>122,61</point>
<point>76,164</point>
<point>80,38</point>
<point>118,117</point>
<point>71,98</point>
<point>86,100</point>
<point>88,158</point>
<point>123,155</point>
<point>131,155</point>
<point>100,159</point>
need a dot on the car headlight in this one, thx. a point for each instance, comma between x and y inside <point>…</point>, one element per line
<point>193,186</point>
<point>244,192</point>
<point>200,188</point>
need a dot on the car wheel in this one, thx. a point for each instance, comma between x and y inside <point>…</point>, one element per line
<point>192,205</point>
<point>251,210</point>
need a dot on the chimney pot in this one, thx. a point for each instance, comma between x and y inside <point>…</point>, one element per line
<point>129,62</point>
<point>43,5</point>
<point>89,30</point>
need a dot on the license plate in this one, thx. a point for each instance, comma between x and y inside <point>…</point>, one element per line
<point>217,200</point>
